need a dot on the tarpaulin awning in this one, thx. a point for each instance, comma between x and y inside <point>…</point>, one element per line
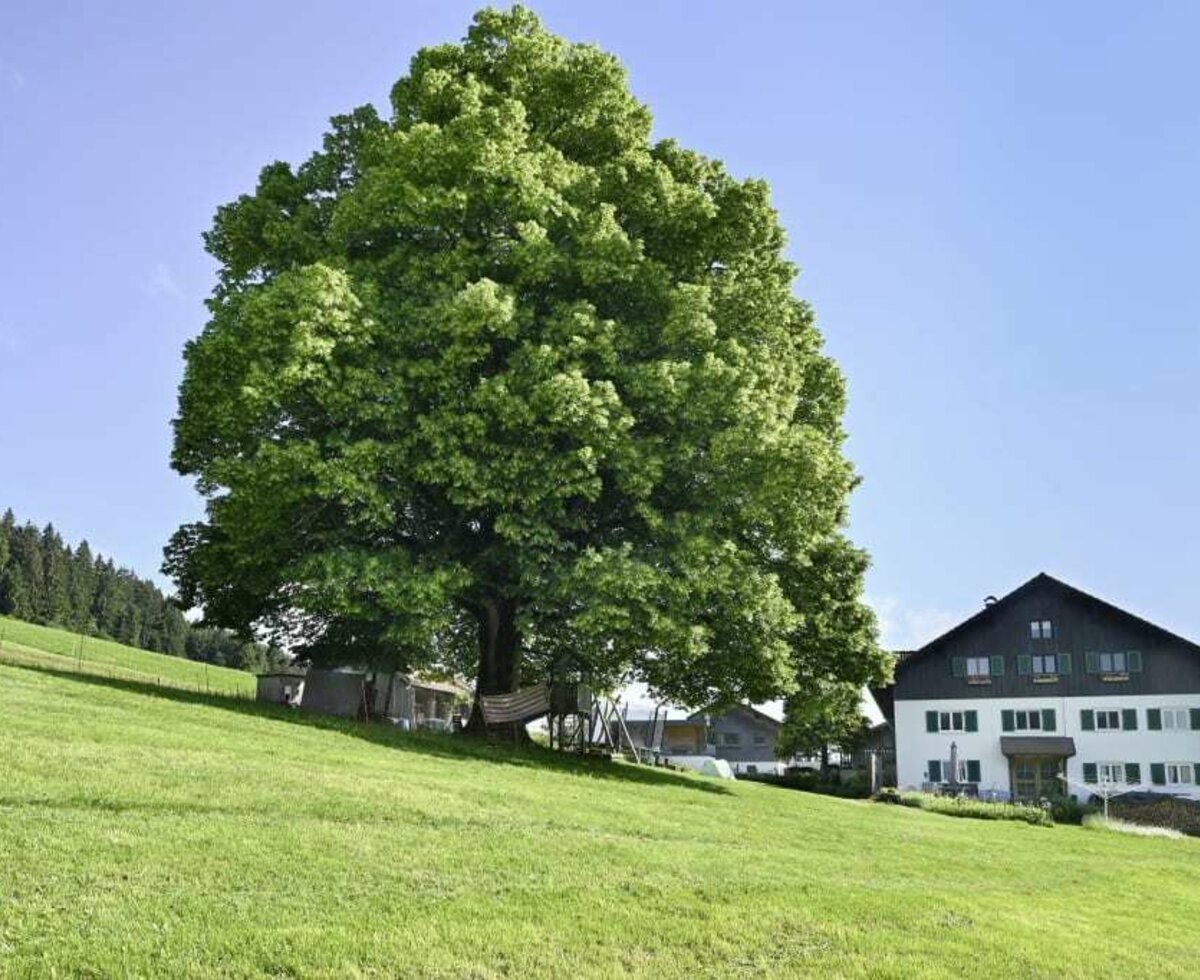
<point>523,705</point>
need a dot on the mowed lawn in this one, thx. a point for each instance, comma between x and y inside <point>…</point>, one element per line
<point>157,833</point>
<point>24,643</point>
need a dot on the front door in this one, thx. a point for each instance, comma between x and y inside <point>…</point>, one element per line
<point>1036,777</point>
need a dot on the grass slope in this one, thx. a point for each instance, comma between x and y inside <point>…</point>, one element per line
<point>26,644</point>
<point>158,833</point>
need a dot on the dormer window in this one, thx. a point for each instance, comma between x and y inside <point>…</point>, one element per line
<point>1041,629</point>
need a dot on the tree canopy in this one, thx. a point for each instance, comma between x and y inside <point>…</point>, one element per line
<point>500,381</point>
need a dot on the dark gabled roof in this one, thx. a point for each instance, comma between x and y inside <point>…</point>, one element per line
<point>988,611</point>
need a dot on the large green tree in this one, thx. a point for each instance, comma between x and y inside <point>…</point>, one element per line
<point>499,380</point>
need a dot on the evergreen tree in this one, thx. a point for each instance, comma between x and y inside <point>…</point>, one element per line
<point>129,626</point>
<point>29,574</point>
<point>8,525</point>
<point>55,600</point>
<point>44,580</point>
<point>83,589</point>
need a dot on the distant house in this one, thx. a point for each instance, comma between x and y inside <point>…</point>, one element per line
<point>743,736</point>
<point>1046,691</point>
<point>746,737</point>
<point>406,699</point>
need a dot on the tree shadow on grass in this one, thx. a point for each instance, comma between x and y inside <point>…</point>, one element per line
<point>455,747</point>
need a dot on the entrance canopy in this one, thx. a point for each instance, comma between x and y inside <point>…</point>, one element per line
<point>1046,746</point>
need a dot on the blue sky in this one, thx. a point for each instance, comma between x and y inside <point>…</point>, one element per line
<point>994,207</point>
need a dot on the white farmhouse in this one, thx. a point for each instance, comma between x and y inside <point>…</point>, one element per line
<point>1048,690</point>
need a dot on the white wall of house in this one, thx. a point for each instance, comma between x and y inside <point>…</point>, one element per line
<point>915,746</point>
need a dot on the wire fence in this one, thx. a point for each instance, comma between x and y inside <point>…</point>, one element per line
<point>18,655</point>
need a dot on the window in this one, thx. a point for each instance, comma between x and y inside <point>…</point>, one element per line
<point>1109,720</point>
<point>977,670</point>
<point>1041,629</point>
<point>731,738</point>
<point>1046,663</point>
<point>979,667</point>
<point>1111,772</point>
<point>968,770</point>
<point>1029,721</point>
<point>951,721</point>
<point>1044,666</point>
<point>1175,719</point>
<point>1115,663</point>
<point>760,739</point>
<point>1179,773</point>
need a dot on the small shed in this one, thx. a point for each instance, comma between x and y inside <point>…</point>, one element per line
<point>283,687</point>
<point>335,692</point>
<point>406,699</point>
<point>422,702</point>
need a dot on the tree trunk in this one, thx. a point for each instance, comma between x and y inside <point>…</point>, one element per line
<point>499,652</point>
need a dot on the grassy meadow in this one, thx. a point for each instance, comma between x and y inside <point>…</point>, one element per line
<point>26,644</point>
<point>147,831</point>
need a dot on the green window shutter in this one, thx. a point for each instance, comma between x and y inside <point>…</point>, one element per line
<point>1133,660</point>
<point>1092,662</point>
<point>1196,766</point>
<point>1154,719</point>
<point>1024,664</point>
<point>1158,773</point>
<point>971,720</point>
<point>1087,720</point>
<point>931,721</point>
<point>935,771</point>
<point>1064,663</point>
<point>958,666</point>
<point>1089,772</point>
<point>1195,719</point>
<point>997,666</point>
<point>1049,722</point>
<point>1133,772</point>
<point>973,770</point>
<point>1008,720</point>
<point>1129,719</point>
